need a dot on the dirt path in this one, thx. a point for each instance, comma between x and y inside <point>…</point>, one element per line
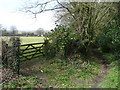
<point>103,67</point>
<point>96,81</point>
<point>29,70</point>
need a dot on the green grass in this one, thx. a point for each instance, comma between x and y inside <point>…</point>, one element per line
<point>27,40</point>
<point>23,82</point>
<point>112,79</point>
<point>64,73</point>
<point>70,73</point>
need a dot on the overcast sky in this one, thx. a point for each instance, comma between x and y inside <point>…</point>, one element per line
<point>10,15</point>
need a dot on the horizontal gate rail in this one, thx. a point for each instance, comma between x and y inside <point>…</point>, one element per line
<point>31,51</point>
<point>31,48</point>
<point>32,44</point>
<point>32,54</point>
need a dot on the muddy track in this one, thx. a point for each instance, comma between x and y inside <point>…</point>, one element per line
<point>103,69</point>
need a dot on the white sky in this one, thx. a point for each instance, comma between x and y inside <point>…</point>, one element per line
<point>10,15</point>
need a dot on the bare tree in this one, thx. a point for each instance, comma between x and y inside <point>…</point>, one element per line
<point>3,30</point>
<point>13,30</point>
<point>40,31</point>
<point>1,26</point>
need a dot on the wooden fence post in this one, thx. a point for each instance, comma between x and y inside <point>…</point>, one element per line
<point>16,53</point>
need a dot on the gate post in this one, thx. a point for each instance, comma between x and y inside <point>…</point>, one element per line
<point>16,53</point>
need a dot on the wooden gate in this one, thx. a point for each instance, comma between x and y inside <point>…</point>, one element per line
<point>29,51</point>
<point>13,54</point>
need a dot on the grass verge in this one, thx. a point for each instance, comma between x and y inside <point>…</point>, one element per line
<point>112,79</point>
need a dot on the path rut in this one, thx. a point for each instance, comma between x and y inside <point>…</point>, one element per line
<point>103,67</point>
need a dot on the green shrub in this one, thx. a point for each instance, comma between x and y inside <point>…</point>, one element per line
<point>58,43</point>
<point>62,42</point>
<point>109,39</point>
<point>49,49</point>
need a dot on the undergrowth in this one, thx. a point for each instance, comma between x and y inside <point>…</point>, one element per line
<point>74,72</point>
<point>71,73</point>
<point>23,82</point>
<point>112,79</point>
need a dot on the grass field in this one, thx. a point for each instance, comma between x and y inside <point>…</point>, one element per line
<point>27,40</point>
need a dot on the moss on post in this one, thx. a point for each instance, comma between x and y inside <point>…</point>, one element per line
<point>16,52</point>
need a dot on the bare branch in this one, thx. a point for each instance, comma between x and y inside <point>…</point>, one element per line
<point>35,13</point>
<point>38,8</point>
<point>66,9</point>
